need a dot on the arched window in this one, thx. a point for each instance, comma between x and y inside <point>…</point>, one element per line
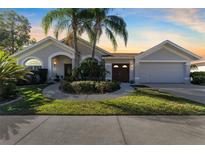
<point>116,66</point>
<point>33,64</point>
<point>124,66</point>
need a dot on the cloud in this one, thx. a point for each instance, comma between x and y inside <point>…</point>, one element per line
<point>147,38</point>
<point>191,18</point>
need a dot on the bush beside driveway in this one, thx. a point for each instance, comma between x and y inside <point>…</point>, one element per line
<point>143,101</point>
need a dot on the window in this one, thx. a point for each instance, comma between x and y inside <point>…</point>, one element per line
<point>124,66</point>
<point>116,66</point>
<point>33,64</point>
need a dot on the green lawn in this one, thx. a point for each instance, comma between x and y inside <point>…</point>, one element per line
<point>143,101</point>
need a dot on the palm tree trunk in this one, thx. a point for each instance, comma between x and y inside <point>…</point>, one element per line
<point>12,39</point>
<point>75,41</point>
<point>96,30</point>
<point>77,55</point>
<point>94,46</point>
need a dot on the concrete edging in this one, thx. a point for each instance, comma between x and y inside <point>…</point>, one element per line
<point>12,101</point>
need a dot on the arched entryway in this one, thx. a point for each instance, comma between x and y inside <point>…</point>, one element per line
<point>60,65</point>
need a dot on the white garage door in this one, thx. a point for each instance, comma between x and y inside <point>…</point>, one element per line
<point>161,72</point>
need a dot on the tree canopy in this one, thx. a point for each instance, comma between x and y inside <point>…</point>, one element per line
<point>66,19</point>
<point>100,20</point>
<point>14,31</point>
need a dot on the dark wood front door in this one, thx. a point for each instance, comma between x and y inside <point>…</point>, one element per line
<point>67,69</point>
<point>120,72</point>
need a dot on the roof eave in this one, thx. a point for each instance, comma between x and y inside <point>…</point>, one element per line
<point>149,51</point>
<point>40,42</point>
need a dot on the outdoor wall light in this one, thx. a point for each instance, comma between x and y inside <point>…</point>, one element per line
<point>54,62</point>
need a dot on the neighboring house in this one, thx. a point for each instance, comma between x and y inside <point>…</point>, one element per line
<point>164,63</point>
<point>200,65</point>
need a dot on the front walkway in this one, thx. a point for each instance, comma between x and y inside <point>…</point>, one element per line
<point>53,91</point>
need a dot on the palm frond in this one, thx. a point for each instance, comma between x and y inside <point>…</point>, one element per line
<point>118,26</point>
<point>52,16</point>
<point>9,70</point>
<point>110,35</point>
<point>194,67</point>
<point>61,26</point>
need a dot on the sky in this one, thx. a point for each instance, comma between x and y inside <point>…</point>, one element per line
<point>146,28</point>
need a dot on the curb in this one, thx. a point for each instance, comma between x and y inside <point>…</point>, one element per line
<point>12,101</point>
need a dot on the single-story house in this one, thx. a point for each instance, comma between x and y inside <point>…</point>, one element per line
<point>164,63</point>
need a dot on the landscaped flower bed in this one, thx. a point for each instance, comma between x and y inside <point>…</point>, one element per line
<point>89,87</point>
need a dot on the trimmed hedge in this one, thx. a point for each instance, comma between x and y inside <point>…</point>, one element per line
<point>198,77</point>
<point>88,87</point>
<point>37,77</point>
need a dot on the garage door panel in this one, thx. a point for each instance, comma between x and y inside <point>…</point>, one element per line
<point>161,72</point>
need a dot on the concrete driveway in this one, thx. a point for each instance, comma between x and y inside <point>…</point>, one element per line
<point>189,91</point>
<point>102,129</point>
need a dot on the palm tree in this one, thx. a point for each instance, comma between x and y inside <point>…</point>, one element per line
<point>9,70</point>
<point>101,21</point>
<point>194,67</point>
<point>65,19</point>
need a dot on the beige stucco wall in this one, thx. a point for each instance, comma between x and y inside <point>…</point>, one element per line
<point>47,48</point>
<point>86,52</point>
<point>187,55</point>
<point>41,53</point>
<point>163,54</point>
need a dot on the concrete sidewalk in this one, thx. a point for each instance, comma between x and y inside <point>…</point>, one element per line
<point>102,129</point>
<point>53,91</point>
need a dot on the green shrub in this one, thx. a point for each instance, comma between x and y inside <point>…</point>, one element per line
<point>115,85</point>
<point>198,77</point>
<point>83,86</point>
<point>76,87</point>
<point>198,80</point>
<point>192,74</point>
<point>88,70</point>
<point>43,73</point>
<point>89,86</point>
<point>66,86</point>
<point>8,90</point>
<point>101,87</point>
<point>104,86</point>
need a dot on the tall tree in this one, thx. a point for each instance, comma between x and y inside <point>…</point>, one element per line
<point>14,31</point>
<point>67,19</point>
<point>101,21</point>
